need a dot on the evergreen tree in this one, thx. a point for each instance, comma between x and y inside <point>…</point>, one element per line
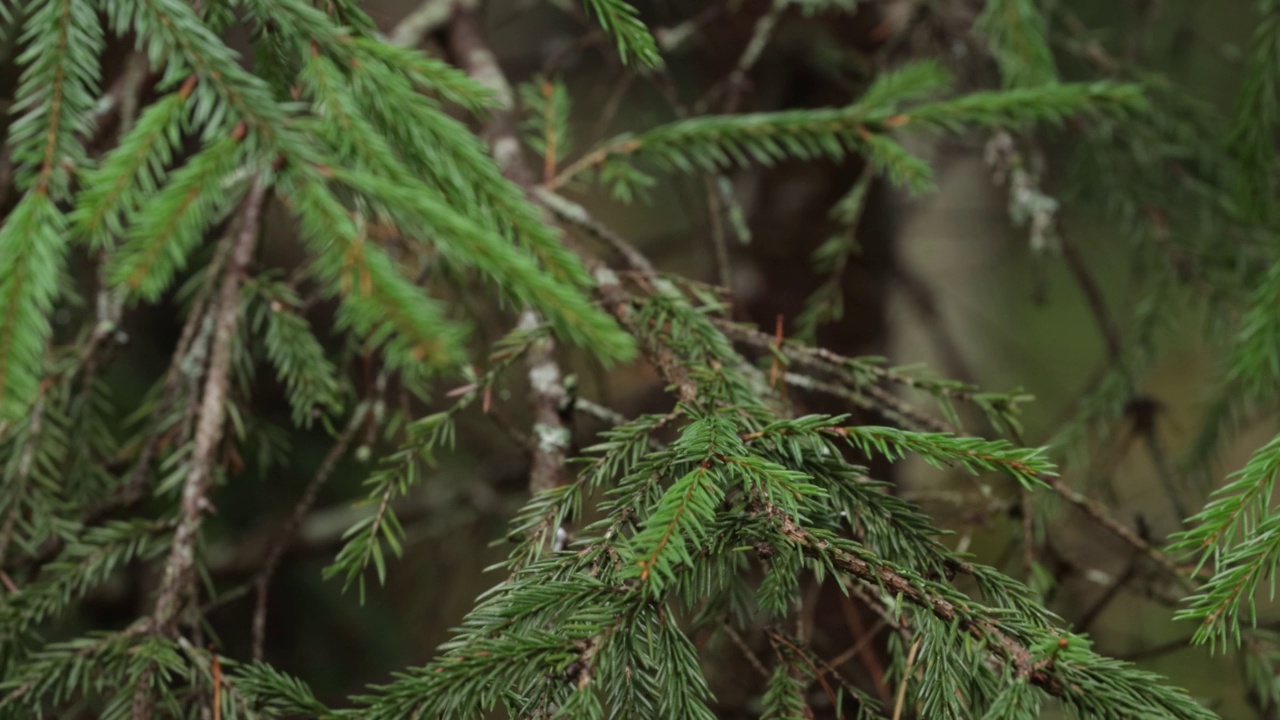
<point>410,182</point>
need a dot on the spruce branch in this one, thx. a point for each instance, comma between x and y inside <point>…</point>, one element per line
<point>132,171</point>
<point>442,151</point>
<point>159,243</point>
<point>310,379</point>
<point>1026,465</point>
<point>32,247</point>
<point>83,565</point>
<point>56,95</point>
<point>566,307</point>
<point>712,143</point>
<point>172,29</point>
<point>375,158</point>
<point>1069,679</point>
<point>632,39</point>
<point>18,478</point>
<point>86,664</point>
<point>826,303</point>
<point>395,315</point>
<point>363,543</point>
<point>1018,36</point>
<point>275,694</point>
<point>1241,532</point>
<point>1257,114</point>
<point>181,380</point>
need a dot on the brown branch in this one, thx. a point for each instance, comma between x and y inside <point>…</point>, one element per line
<point>901,699</point>
<point>175,581</point>
<point>284,538</point>
<point>1099,514</point>
<point>574,214</point>
<point>877,400</point>
<point>551,431</point>
<point>1093,296</point>
<point>428,17</point>
<point>747,652</point>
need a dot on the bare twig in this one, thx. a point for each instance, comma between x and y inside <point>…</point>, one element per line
<point>551,433</point>
<point>900,701</point>
<point>1099,514</point>
<point>1113,589</point>
<point>262,582</point>
<point>747,652</point>
<point>1093,296</point>
<point>208,434</point>
<point>732,85</point>
<point>876,399</point>
<point>573,213</point>
<point>427,18</point>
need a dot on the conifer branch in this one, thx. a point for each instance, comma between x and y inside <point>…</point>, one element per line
<point>58,88</point>
<point>712,143</point>
<point>632,39</point>
<point>131,170</point>
<point>16,488</point>
<point>1257,114</point>
<point>32,246</point>
<point>78,569</point>
<point>1018,37</point>
<point>1058,677</point>
<point>1239,530</point>
<point>173,29</point>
